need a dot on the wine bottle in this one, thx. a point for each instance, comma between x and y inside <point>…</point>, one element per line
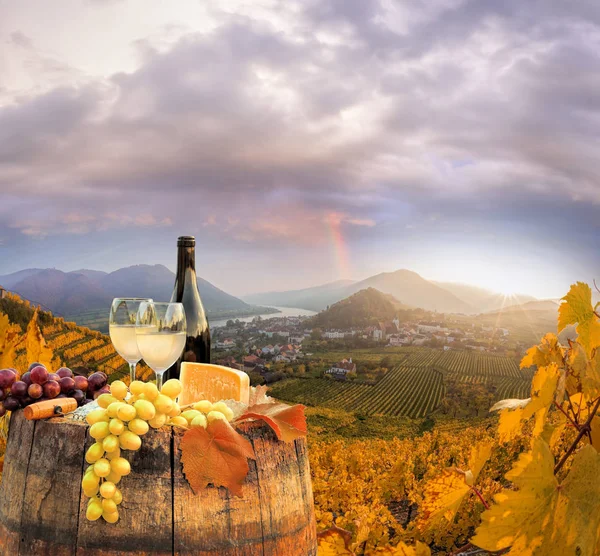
<point>197,345</point>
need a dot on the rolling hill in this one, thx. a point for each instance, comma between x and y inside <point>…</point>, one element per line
<point>85,291</point>
<point>364,308</point>
<point>313,299</point>
<point>406,286</point>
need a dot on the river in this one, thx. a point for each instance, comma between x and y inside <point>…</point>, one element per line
<point>284,312</point>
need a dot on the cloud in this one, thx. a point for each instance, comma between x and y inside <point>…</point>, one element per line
<point>384,113</point>
<point>20,39</point>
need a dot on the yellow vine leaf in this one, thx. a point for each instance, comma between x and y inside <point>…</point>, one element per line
<point>402,549</point>
<point>509,424</point>
<point>548,351</point>
<point>543,518</point>
<point>584,371</point>
<point>543,388</point>
<point>577,308</point>
<point>9,340</point>
<point>36,347</point>
<point>443,494</point>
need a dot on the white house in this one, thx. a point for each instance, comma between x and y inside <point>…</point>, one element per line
<point>399,340</point>
<point>334,334</point>
<point>227,343</point>
<point>342,368</point>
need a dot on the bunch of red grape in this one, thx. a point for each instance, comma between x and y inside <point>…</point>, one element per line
<point>38,384</point>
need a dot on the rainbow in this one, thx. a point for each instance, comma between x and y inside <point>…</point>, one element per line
<point>338,245</point>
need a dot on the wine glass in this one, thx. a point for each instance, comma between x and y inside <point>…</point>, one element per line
<point>160,333</point>
<point>121,326</point>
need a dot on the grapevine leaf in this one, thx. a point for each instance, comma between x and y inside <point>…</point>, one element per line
<point>288,422</point>
<point>551,434</point>
<point>543,518</point>
<point>549,351</point>
<point>584,371</point>
<point>217,455</point>
<point>334,542</point>
<point>36,347</point>
<point>420,549</point>
<point>258,395</point>
<point>9,340</point>
<point>543,389</point>
<point>577,308</point>
<point>443,494</point>
<point>509,424</point>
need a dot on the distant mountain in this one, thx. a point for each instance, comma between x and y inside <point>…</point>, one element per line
<point>9,280</point>
<point>314,299</point>
<point>538,306</point>
<point>62,292</point>
<point>411,289</point>
<point>71,293</point>
<point>95,275</point>
<point>405,285</point>
<point>481,299</point>
<point>364,308</point>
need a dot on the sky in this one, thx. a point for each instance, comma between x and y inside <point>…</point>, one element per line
<point>304,141</point>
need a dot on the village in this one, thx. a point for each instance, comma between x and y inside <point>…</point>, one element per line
<point>264,347</point>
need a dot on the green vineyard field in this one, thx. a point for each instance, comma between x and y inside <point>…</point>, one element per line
<point>409,391</point>
<point>416,387</point>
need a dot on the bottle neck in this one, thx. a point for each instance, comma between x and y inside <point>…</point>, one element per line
<point>186,268</point>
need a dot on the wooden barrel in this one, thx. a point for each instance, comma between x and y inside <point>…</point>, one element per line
<point>42,508</point>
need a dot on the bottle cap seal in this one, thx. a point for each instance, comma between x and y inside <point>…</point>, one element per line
<point>186,241</point>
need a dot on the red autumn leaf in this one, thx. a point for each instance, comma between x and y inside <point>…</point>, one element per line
<point>335,542</point>
<point>258,394</point>
<point>288,422</point>
<point>216,455</point>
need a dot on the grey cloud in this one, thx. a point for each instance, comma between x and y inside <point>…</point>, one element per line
<point>477,102</point>
<point>20,39</point>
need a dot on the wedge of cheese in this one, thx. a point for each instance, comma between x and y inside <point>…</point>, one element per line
<point>202,381</point>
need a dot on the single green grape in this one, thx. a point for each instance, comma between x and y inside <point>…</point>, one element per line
<point>203,405</point>
<point>144,409</point>
<point>116,426</point>
<point>110,443</point>
<point>102,467</point>
<point>96,416</point>
<point>120,466</point>
<point>199,421</point>
<point>118,389</point>
<point>172,388</point>
<point>138,426</point>
<point>126,412</point>
<point>107,489</point>
<point>94,511</point>
<point>130,441</point>
<point>100,430</point>
<point>94,452</point>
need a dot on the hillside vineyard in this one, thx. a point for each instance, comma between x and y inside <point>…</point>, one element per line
<point>415,388</point>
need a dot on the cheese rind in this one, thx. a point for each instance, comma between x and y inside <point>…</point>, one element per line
<point>202,381</point>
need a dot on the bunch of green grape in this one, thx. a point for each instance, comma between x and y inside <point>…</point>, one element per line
<point>123,417</point>
<point>203,412</point>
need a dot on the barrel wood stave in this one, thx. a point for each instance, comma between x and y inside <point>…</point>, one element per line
<point>42,508</point>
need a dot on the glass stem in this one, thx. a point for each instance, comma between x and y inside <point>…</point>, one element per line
<point>159,380</point>
<point>132,372</point>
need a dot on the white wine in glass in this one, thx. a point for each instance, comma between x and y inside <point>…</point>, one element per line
<point>160,334</point>
<point>121,326</point>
